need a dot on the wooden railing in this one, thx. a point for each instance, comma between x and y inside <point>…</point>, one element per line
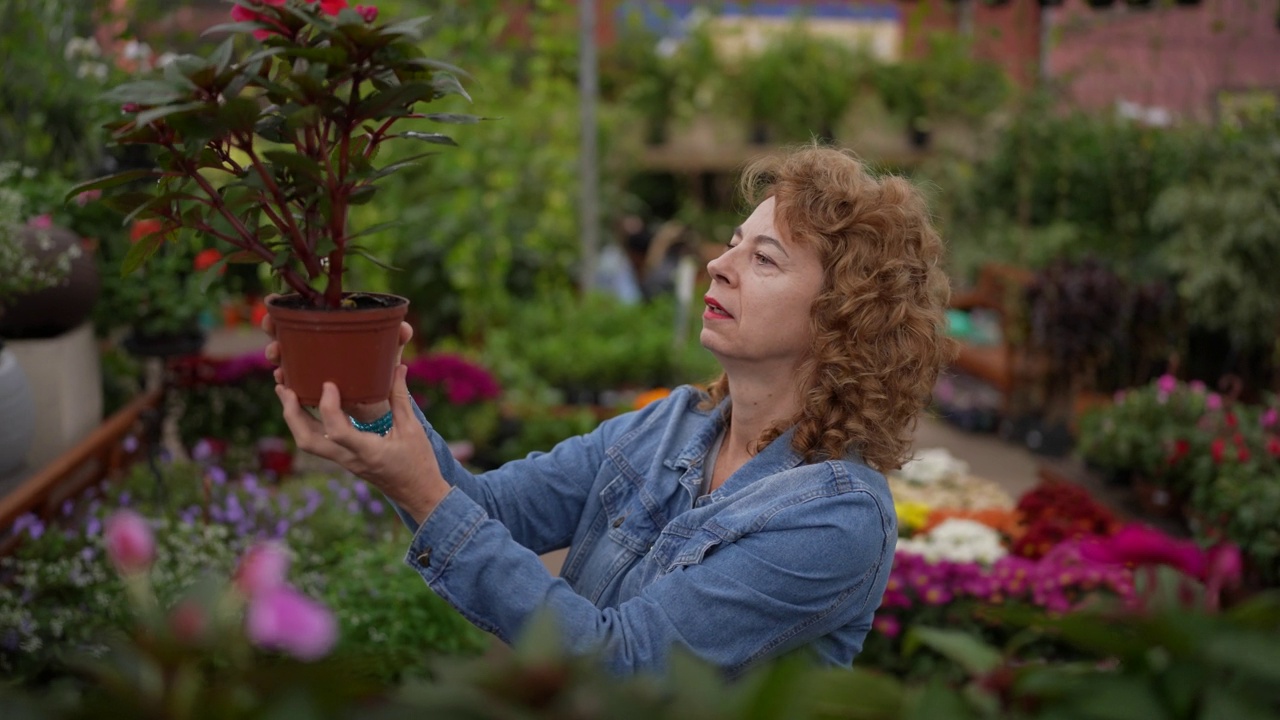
<point>98,456</point>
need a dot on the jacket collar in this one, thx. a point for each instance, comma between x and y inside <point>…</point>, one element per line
<point>776,457</point>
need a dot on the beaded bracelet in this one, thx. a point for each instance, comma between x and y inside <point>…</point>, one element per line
<point>381,426</point>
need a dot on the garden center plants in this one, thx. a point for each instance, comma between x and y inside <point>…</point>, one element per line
<point>262,149</point>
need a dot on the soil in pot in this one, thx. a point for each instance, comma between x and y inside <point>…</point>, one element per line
<point>354,347</point>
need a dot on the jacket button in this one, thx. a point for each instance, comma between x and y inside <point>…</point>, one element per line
<point>618,522</point>
<point>424,557</point>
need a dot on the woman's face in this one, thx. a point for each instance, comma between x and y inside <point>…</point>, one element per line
<point>762,291</point>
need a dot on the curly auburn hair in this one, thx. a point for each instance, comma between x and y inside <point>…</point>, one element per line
<point>878,323</point>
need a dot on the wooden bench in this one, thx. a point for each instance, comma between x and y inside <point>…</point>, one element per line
<point>98,456</point>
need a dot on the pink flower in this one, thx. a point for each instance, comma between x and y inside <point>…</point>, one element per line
<point>284,619</point>
<point>189,622</point>
<point>1270,417</point>
<point>1213,402</point>
<point>262,569</point>
<point>1197,387</point>
<point>130,544</point>
<point>1142,545</point>
<point>368,12</point>
<point>87,197</point>
<point>40,222</point>
<point>1167,384</point>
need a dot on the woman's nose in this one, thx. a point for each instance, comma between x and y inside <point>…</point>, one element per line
<point>720,268</point>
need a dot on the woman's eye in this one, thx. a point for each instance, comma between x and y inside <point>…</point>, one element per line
<point>764,259</point>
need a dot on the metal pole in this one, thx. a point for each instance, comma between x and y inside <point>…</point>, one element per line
<point>589,211</point>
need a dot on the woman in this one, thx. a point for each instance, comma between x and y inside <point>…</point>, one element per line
<point>737,524</point>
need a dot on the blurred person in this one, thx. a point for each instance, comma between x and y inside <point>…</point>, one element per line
<point>736,522</point>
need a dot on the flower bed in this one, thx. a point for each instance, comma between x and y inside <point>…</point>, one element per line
<point>59,594</point>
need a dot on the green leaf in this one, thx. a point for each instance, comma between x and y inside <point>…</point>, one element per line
<point>209,275</point>
<point>140,252</point>
<point>221,57</point>
<point>299,165</point>
<point>411,28</point>
<point>145,92</point>
<point>856,694</point>
<point>967,651</point>
<point>376,229</point>
<point>331,55</point>
<point>239,114</point>
<point>395,97</point>
<point>937,702</point>
<point>110,181</point>
<point>446,84</point>
<point>244,257</point>
<point>148,116</point>
<point>364,253</point>
<point>362,195</point>
<point>435,138</point>
<point>235,27</point>
<point>455,118</point>
<point>390,168</point>
<point>438,65</point>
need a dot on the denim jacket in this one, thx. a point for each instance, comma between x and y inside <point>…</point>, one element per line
<point>782,556</point>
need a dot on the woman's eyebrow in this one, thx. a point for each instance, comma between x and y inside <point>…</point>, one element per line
<point>765,239</point>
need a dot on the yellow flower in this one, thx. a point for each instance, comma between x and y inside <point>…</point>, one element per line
<point>911,515</point>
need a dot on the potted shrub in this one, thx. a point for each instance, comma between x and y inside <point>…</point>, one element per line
<point>262,148</point>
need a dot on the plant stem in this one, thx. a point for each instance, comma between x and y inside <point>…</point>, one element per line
<point>296,238</point>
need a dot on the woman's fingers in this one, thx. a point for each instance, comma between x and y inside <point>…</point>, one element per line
<point>306,431</point>
<point>401,401</point>
<point>272,351</point>
<point>406,333</point>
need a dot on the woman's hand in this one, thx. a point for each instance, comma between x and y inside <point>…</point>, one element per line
<point>401,464</point>
<point>362,412</point>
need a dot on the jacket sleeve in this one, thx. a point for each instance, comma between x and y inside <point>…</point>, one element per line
<point>735,604</point>
<point>540,498</point>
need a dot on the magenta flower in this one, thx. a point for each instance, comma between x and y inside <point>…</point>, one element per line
<point>41,222</point>
<point>1224,568</point>
<point>130,544</point>
<point>283,619</point>
<point>1167,384</point>
<point>262,569</point>
<point>1213,402</point>
<point>1142,545</point>
<point>1270,418</point>
<point>887,624</point>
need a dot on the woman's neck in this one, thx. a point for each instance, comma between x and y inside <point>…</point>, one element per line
<point>758,404</point>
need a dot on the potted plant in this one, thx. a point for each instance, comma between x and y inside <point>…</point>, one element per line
<point>262,148</point>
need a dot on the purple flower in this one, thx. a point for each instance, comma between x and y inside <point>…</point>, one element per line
<point>93,528</point>
<point>375,507</point>
<point>353,507</point>
<point>217,475</point>
<point>284,619</point>
<point>124,499</point>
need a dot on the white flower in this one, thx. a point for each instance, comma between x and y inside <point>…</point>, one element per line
<point>933,465</point>
<point>957,540</point>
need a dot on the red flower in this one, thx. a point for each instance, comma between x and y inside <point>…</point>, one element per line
<point>1217,448</point>
<point>207,258</point>
<point>1181,448</point>
<point>243,14</point>
<point>145,228</point>
<point>1242,454</point>
<point>368,12</point>
<point>331,7</point>
<point>1273,446</point>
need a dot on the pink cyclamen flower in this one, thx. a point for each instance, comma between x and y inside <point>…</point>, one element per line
<point>368,12</point>
<point>130,544</point>
<point>262,569</point>
<point>1167,384</point>
<point>284,619</point>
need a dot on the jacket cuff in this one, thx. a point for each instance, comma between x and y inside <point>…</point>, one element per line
<point>445,531</point>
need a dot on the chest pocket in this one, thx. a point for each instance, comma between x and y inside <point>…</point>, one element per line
<point>681,545</point>
<point>633,518</point>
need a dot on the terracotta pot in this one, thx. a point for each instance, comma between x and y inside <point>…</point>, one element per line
<point>354,348</point>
